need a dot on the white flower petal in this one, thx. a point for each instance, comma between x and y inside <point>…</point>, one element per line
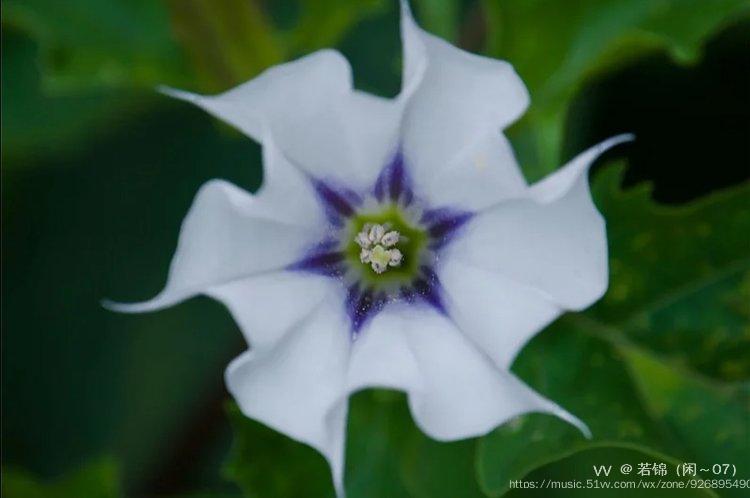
<point>498,314</point>
<point>415,56</point>
<point>314,116</point>
<point>382,355</point>
<point>484,174</point>
<point>268,306</point>
<point>227,235</point>
<point>297,387</point>
<point>454,389</point>
<point>282,94</point>
<point>370,125</point>
<point>455,99</point>
<point>282,182</point>
<point>554,241</point>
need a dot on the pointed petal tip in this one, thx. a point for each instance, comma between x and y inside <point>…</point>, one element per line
<point>586,158</point>
<point>616,140</point>
<point>593,152</point>
<point>407,22</point>
<point>338,486</point>
<point>110,305</point>
<point>405,9</point>
<point>575,421</point>
<point>557,184</point>
<point>176,93</point>
<point>141,307</point>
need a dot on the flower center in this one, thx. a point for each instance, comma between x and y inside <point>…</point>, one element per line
<point>378,247</point>
<point>387,244</point>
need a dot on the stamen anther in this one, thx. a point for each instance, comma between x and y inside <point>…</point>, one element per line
<point>396,257</point>
<point>363,240</point>
<point>390,239</point>
<point>376,233</point>
<point>378,247</point>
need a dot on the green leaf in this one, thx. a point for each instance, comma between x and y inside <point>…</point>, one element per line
<point>35,124</point>
<point>629,367</point>
<point>588,377</point>
<point>438,469</point>
<point>228,41</point>
<point>96,480</point>
<point>439,17</point>
<point>263,462</point>
<point>88,42</point>
<point>711,421</point>
<point>322,23</point>
<point>679,276</point>
<point>138,386</point>
<point>627,398</point>
<point>378,426</point>
<point>556,54</point>
<point>375,435</point>
<point>387,455</point>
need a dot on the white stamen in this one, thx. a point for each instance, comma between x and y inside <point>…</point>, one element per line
<point>378,266</point>
<point>376,233</point>
<point>396,257</point>
<point>377,247</point>
<point>390,239</point>
<point>362,240</point>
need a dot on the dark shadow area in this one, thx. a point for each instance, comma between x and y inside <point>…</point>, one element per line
<point>691,123</point>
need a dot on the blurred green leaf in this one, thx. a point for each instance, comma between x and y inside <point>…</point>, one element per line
<point>93,43</point>
<point>378,423</point>
<point>61,58</point>
<point>439,469</point>
<point>629,367</point>
<point>209,494</point>
<point>230,41</point>
<point>628,398</point>
<point>263,462</point>
<point>711,421</point>
<point>96,480</point>
<point>557,45</point>
<point>378,427</point>
<point>680,276</point>
<point>588,377</point>
<point>440,17</point>
<point>322,23</point>
<point>36,125</point>
<point>103,223</point>
<point>387,455</point>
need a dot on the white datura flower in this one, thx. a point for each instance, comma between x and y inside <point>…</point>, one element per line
<point>394,244</point>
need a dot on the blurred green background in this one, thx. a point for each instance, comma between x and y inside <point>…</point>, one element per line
<point>98,171</point>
